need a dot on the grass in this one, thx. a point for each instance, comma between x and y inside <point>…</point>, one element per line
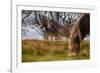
<point>36,50</point>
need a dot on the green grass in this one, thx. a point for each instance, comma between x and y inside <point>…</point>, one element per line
<point>35,51</point>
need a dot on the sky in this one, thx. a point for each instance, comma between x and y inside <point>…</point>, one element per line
<point>32,34</point>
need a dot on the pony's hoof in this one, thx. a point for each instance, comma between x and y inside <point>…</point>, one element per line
<point>72,54</point>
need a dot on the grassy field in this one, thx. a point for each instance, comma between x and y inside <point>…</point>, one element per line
<point>36,50</point>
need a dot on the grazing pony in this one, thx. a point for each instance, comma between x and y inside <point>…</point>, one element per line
<point>54,29</point>
<point>80,29</point>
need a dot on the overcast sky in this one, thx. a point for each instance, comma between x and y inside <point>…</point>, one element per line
<point>32,34</point>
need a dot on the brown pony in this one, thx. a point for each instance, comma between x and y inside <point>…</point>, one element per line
<point>79,31</point>
<point>54,29</point>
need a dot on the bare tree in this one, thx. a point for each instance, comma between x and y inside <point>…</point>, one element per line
<point>48,21</point>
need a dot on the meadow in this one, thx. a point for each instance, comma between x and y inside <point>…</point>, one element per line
<point>44,50</point>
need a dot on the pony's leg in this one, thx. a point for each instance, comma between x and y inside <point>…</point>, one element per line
<point>74,46</point>
<point>74,42</point>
